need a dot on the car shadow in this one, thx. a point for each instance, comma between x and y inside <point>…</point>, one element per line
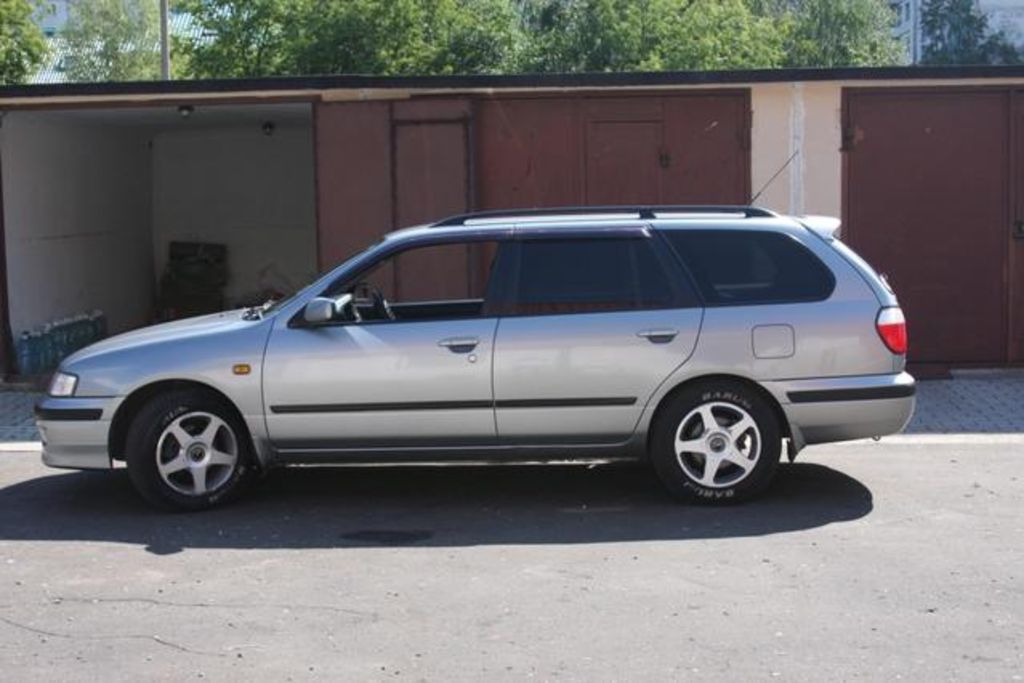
<point>443,507</point>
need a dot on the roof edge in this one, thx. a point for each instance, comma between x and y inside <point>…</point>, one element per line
<point>498,81</point>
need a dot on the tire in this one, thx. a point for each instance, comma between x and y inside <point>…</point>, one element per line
<point>731,462</point>
<point>187,450</point>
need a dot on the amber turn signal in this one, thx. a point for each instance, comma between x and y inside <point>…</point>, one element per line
<point>241,369</point>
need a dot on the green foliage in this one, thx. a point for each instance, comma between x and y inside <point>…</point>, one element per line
<point>241,38</point>
<point>624,35</point>
<point>831,33</point>
<point>113,40</point>
<point>956,32</point>
<point>409,37</point>
<point>22,46</point>
<point>391,37</point>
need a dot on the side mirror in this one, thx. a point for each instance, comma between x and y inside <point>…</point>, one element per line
<point>319,311</point>
<point>322,309</point>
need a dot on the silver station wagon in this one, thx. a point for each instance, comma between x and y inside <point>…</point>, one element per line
<point>704,340</point>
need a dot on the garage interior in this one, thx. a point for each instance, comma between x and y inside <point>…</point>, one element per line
<point>93,199</point>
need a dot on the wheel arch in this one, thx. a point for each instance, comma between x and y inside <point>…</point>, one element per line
<point>133,403</point>
<point>780,415</point>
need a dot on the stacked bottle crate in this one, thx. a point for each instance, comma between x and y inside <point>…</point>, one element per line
<point>41,350</point>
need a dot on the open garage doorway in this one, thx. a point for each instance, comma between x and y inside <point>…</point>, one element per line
<point>116,218</point>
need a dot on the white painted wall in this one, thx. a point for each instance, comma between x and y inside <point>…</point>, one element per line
<point>802,121</point>
<point>242,188</point>
<point>76,215</point>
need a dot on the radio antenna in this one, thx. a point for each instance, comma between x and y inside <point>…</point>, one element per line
<point>777,174</point>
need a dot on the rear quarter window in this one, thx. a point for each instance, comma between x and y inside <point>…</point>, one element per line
<point>743,267</point>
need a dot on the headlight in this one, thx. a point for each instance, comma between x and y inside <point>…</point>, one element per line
<point>63,384</point>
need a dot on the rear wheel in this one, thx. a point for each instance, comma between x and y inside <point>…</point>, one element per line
<point>714,442</point>
<point>186,450</point>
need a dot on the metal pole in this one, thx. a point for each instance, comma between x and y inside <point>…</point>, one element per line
<point>165,44</point>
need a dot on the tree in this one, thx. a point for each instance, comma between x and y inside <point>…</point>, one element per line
<point>113,40</point>
<point>622,35</point>
<point>831,33</point>
<point>956,32</point>
<point>389,37</point>
<point>414,37</point>
<point>22,46</point>
<point>240,38</point>
<point>409,37</point>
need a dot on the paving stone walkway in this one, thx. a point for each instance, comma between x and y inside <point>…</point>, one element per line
<point>972,402</point>
<point>16,420</point>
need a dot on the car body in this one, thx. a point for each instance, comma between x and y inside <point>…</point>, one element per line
<point>341,373</point>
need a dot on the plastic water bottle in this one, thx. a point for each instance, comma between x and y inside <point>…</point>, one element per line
<point>35,348</point>
<point>24,351</point>
<point>57,336</point>
<point>47,351</point>
<point>79,335</point>
<point>100,324</point>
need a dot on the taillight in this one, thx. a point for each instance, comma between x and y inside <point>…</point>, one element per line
<point>892,328</point>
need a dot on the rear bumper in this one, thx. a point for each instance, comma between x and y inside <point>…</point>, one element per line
<point>844,408</point>
<point>74,431</point>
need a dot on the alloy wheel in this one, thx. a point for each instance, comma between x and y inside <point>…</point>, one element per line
<point>197,453</point>
<point>717,444</point>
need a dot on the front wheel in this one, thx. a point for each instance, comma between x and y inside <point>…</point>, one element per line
<point>716,442</point>
<point>186,450</point>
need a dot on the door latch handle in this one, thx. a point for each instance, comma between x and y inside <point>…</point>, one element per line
<point>1018,229</point>
<point>459,344</point>
<point>660,335</point>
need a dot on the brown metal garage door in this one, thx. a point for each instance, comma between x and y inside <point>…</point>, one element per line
<point>927,201</point>
<point>384,165</point>
<point>691,148</point>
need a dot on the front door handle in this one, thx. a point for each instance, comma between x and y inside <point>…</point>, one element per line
<point>459,344</point>
<point>659,335</point>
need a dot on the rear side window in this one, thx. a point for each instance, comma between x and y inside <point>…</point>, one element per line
<point>583,275</point>
<point>747,267</point>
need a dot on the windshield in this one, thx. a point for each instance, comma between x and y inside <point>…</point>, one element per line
<point>322,280</point>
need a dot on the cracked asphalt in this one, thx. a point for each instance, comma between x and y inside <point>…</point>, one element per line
<point>899,559</point>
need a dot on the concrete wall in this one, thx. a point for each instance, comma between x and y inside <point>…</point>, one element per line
<point>77,213</point>
<point>239,187</point>
<point>802,121</point>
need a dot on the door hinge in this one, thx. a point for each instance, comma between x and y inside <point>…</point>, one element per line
<point>849,138</point>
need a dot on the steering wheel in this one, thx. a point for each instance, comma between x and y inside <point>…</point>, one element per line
<point>378,303</point>
<point>381,307</point>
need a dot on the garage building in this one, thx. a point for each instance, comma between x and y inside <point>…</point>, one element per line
<point>291,175</point>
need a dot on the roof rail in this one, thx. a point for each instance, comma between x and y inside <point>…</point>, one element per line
<point>643,212</point>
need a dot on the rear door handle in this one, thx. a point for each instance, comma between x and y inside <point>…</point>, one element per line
<point>659,335</point>
<point>459,344</point>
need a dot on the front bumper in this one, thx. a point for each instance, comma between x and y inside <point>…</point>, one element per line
<point>845,408</point>
<point>74,431</point>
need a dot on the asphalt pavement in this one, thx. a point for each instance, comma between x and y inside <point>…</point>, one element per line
<point>901,559</point>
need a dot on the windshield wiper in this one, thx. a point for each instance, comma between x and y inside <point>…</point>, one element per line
<point>256,312</point>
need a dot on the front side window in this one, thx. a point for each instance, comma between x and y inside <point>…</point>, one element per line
<point>746,267</point>
<point>432,282</point>
<point>577,275</point>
